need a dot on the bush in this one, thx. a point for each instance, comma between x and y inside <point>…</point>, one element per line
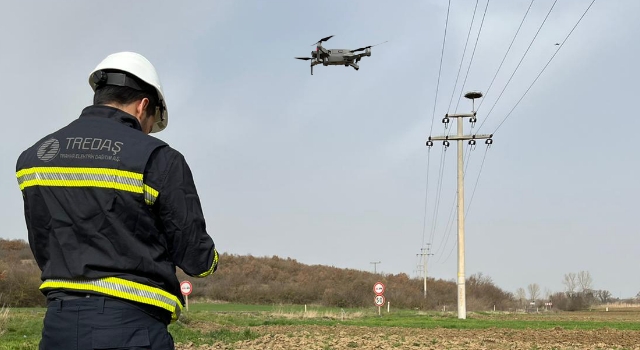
<point>571,302</point>
<point>20,286</point>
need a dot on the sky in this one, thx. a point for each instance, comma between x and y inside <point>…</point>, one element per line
<point>332,168</point>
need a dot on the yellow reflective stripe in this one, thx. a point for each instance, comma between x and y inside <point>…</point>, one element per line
<point>121,288</point>
<point>150,194</point>
<point>213,265</point>
<point>80,183</point>
<point>81,177</point>
<point>77,170</point>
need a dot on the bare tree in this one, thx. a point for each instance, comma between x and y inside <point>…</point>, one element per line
<point>521,295</point>
<point>585,281</point>
<point>547,294</point>
<point>570,282</point>
<point>603,295</point>
<point>534,291</point>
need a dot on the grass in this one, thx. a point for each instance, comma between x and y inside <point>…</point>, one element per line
<point>229,323</point>
<point>23,329</point>
<point>244,308</point>
<point>183,334</point>
<point>4,319</point>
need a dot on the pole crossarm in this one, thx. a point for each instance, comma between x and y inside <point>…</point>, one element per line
<point>461,115</point>
<point>460,138</point>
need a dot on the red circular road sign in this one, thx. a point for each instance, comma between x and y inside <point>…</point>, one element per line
<point>378,300</point>
<point>186,288</point>
<point>378,288</point>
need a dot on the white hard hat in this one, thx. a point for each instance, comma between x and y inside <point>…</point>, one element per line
<point>137,65</point>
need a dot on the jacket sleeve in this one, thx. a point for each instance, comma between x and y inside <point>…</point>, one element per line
<point>179,211</point>
<point>41,254</point>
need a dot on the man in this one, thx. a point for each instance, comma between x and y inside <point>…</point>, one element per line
<point>110,212</point>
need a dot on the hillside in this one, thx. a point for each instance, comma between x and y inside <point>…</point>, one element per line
<point>275,280</point>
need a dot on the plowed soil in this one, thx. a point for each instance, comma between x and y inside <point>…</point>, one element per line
<point>350,337</point>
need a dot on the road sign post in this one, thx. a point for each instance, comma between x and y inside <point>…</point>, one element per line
<point>378,300</point>
<point>186,288</point>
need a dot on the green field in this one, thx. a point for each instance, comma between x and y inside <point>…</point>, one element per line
<point>230,323</point>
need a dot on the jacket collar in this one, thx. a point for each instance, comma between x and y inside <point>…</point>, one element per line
<point>111,113</point>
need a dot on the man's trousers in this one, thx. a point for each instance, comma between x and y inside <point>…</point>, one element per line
<point>101,323</point>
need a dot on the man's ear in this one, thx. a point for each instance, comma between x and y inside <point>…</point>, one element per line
<point>142,106</point>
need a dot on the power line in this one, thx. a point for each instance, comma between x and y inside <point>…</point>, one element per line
<point>438,193</point>
<point>472,194</point>
<point>472,55</point>
<point>545,66</point>
<point>435,101</point>
<point>519,63</point>
<point>426,193</point>
<point>449,225</point>
<point>505,55</point>
<point>464,51</point>
<point>444,40</point>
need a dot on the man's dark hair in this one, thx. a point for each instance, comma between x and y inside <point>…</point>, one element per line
<point>124,95</point>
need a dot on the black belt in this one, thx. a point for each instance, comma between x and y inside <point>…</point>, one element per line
<point>154,311</point>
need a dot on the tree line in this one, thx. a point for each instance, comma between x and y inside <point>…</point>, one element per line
<point>275,280</point>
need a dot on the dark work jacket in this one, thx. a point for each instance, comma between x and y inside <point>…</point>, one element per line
<point>111,210</point>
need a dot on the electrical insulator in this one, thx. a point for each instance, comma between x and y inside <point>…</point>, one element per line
<point>472,142</point>
<point>445,143</point>
<point>489,141</point>
<point>429,143</point>
<point>445,120</point>
<point>473,120</point>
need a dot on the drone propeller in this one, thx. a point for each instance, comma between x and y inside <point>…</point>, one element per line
<point>304,58</point>
<point>323,39</point>
<point>367,47</point>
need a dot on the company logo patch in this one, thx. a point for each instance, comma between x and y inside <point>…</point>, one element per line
<point>48,150</point>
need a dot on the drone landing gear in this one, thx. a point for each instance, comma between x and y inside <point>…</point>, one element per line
<point>355,66</point>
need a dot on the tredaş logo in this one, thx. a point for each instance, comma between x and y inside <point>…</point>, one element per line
<point>48,150</point>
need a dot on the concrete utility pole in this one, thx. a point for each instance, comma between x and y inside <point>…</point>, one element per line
<point>424,253</point>
<point>375,264</point>
<point>460,137</point>
<point>418,270</point>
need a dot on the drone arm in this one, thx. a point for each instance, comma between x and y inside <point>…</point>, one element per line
<point>366,53</point>
<point>322,52</point>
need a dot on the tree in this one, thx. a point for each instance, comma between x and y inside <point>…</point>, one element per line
<point>603,295</point>
<point>570,282</point>
<point>585,281</point>
<point>534,291</point>
<point>521,295</point>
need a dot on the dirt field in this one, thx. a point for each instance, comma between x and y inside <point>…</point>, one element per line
<point>348,337</point>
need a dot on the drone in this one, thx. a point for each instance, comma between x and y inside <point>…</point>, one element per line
<point>337,57</point>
